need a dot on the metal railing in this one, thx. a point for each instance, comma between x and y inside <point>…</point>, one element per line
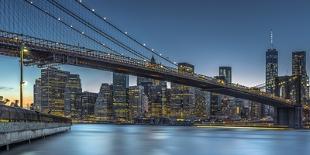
<point>15,114</point>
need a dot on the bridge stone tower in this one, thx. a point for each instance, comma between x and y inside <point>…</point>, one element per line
<point>291,116</point>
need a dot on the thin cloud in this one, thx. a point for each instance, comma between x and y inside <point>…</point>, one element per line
<point>5,88</point>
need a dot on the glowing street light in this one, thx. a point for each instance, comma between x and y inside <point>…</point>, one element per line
<point>25,83</point>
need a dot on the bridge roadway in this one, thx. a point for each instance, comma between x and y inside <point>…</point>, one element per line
<point>44,52</point>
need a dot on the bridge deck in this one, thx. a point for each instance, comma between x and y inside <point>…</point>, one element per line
<point>44,52</point>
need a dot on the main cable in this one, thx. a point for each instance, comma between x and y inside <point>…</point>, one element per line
<point>122,32</point>
<point>96,29</point>
<point>69,26</point>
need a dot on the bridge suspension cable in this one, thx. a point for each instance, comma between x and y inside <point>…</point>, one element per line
<point>124,32</point>
<point>96,29</point>
<point>70,26</point>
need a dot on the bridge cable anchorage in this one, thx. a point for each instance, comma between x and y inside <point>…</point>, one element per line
<point>124,32</point>
<point>97,30</point>
<point>69,26</point>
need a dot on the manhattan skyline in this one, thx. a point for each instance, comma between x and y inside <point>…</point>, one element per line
<point>209,34</point>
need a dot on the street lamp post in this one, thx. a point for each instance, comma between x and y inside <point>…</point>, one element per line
<point>22,50</point>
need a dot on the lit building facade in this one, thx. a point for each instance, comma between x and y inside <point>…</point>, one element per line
<point>56,92</point>
<point>226,72</point>
<point>182,104</point>
<point>87,101</point>
<point>186,68</point>
<point>271,74</point>
<point>120,97</point>
<point>135,99</point>
<point>53,84</point>
<point>201,104</point>
<point>104,103</point>
<point>215,105</point>
<point>72,91</point>
<point>255,110</point>
<point>271,69</point>
<point>158,101</point>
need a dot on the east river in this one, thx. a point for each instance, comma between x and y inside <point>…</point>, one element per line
<point>100,139</point>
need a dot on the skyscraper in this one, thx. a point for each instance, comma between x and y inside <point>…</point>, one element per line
<point>271,73</point>
<point>53,83</point>
<point>226,72</point>
<point>271,66</point>
<point>271,69</point>
<point>88,100</point>
<point>104,103</point>
<point>218,103</point>
<point>157,100</point>
<point>186,68</point>
<point>299,63</point>
<point>120,97</point>
<point>214,105</point>
<point>201,101</point>
<point>135,100</point>
<point>55,88</point>
<point>157,95</point>
<point>72,91</point>
<point>143,81</point>
<point>182,96</point>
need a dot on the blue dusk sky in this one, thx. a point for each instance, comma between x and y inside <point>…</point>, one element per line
<point>205,33</point>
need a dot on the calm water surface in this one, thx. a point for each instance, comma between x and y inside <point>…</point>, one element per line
<point>155,140</point>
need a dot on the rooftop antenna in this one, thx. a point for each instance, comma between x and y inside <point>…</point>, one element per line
<point>271,38</point>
